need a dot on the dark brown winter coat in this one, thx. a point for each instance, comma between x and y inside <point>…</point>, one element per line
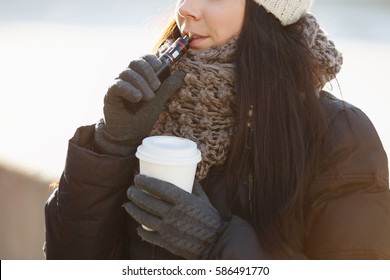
<point>348,215</point>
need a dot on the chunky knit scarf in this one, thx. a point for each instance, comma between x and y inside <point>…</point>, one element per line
<point>322,49</point>
<point>202,109</point>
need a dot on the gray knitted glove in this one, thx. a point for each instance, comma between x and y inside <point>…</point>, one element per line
<point>132,105</point>
<point>185,224</point>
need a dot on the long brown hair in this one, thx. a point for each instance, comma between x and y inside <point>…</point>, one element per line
<point>275,80</point>
<point>279,128</point>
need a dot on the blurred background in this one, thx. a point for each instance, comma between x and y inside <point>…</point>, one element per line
<point>58,57</point>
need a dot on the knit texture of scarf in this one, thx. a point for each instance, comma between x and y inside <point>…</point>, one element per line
<point>322,49</point>
<point>202,109</point>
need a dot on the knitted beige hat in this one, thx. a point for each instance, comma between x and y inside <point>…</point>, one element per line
<point>287,11</point>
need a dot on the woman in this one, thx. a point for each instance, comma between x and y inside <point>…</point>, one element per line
<point>288,171</point>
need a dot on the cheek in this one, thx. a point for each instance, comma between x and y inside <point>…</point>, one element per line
<point>227,27</point>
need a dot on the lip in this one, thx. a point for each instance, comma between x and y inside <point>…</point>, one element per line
<point>196,38</point>
<point>193,35</point>
<point>196,41</point>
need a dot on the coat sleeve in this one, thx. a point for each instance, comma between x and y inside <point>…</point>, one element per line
<point>238,242</point>
<point>84,218</point>
<point>349,212</point>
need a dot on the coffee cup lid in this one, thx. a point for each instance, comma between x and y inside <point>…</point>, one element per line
<point>168,150</point>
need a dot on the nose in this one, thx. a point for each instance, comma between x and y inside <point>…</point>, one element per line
<point>189,9</point>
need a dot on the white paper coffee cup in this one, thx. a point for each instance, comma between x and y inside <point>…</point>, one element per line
<point>169,158</point>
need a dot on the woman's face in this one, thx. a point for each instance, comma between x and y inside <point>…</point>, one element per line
<point>211,22</point>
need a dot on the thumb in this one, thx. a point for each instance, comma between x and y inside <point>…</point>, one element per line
<point>161,96</point>
<point>199,192</point>
<point>169,86</point>
<point>151,109</point>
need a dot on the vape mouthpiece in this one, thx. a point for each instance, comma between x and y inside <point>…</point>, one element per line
<point>173,54</point>
<point>188,37</point>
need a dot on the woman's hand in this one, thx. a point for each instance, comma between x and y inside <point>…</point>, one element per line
<point>185,224</point>
<point>132,105</point>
